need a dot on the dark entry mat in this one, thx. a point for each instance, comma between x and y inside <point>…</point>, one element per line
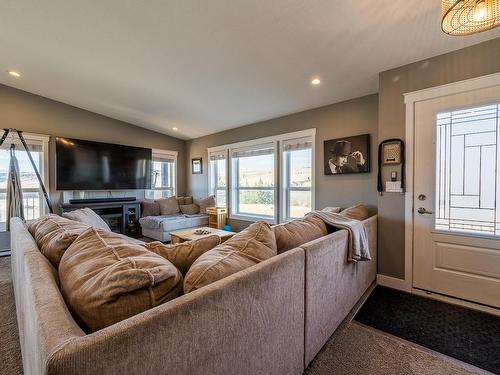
<point>468,335</point>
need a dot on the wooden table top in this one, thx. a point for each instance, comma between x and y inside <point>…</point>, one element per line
<point>188,234</point>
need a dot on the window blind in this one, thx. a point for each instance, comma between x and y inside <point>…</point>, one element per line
<point>297,144</point>
<point>258,150</point>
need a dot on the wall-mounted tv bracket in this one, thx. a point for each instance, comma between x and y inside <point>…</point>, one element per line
<point>20,135</point>
<point>398,158</point>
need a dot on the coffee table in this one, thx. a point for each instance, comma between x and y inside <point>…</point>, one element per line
<point>184,235</point>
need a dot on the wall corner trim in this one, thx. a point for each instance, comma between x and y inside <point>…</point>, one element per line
<point>393,282</point>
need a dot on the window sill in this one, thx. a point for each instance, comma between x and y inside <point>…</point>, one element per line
<point>267,219</point>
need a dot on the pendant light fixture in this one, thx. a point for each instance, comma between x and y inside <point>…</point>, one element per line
<point>466,17</point>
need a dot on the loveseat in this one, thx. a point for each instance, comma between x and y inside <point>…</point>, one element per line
<point>271,318</point>
<point>162,216</point>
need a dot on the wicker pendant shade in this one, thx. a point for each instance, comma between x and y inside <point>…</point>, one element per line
<point>465,17</point>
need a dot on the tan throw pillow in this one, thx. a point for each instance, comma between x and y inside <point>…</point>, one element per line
<point>182,255</point>
<point>54,234</point>
<point>243,250</point>
<point>150,208</point>
<point>105,280</point>
<point>168,206</point>
<point>298,232</point>
<point>205,203</point>
<point>180,201</point>
<point>188,200</point>
<point>357,212</point>
<point>87,216</point>
<point>190,209</point>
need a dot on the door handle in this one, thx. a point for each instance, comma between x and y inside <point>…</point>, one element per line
<point>422,211</point>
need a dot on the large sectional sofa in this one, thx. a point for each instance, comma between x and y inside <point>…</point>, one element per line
<point>270,318</point>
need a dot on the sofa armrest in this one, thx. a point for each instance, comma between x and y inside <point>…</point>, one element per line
<point>334,285</point>
<point>251,322</point>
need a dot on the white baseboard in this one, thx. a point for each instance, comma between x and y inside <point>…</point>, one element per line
<point>393,282</point>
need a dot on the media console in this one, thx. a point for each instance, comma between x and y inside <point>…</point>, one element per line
<point>121,214</point>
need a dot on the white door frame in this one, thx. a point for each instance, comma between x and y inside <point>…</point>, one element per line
<point>410,99</point>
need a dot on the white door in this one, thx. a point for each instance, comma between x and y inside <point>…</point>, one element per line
<point>457,196</point>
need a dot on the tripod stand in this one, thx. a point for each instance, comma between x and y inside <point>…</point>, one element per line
<point>20,135</point>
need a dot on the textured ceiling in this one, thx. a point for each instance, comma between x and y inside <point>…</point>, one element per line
<point>205,66</point>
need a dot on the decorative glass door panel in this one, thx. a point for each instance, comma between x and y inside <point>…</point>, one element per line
<point>466,170</point>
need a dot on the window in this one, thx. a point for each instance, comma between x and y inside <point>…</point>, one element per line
<point>33,200</point>
<point>163,180</point>
<point>297,177</point>
<point>218,176</point>
<point>254,186</point>
<point>467,193</point>
<point>269,179</point>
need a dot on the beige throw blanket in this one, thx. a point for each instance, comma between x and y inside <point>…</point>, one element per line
<point>358,238</point>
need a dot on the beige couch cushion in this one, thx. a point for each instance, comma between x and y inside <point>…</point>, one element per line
<point>190,209</point>
<point>168,206</point>
<point>87,216</point>
<point>297,232</point>
<point>358,212</point>
<point>205,203</point>
<point>188,200</point>
<point>54,234</point>
<point>243,250</point>
<point>105,280</point>
<point>183,255</point>
<point>150,208</point>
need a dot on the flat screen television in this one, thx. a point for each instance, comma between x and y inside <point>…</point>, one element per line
<point>87,165</point>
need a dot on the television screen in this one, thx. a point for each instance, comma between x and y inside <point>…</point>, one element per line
<point>86,165</point>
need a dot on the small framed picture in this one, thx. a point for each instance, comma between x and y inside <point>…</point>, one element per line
<point>196,166</point>
<point>347,155</point>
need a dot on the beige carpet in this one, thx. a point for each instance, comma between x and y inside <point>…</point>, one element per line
<point>353,349</point>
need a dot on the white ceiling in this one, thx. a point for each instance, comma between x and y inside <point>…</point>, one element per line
<point>208,65</point>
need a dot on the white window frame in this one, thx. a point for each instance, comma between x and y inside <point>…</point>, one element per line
<point>213,189</point>
<point>279,193</point>
<point>44,163</point>
<point>166,154</point>
<point>285,178</point>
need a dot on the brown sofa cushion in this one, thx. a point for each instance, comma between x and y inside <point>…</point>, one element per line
<point>205,203</point>
<point>358,212</point>
<point>298,232</point>
<point>54,234</point>
<point>190,209</point>
<point>168,206</point>
<point>188,200</point>
<point>105,280</point>
<point>183,255</point>
<point>180,201</point>
<point>150,208</point>
<point>87,216</point>
<point>243,250</point>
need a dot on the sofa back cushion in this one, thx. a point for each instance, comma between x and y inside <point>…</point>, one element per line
<point>358,212</point>
<point>190,209</point>
<point>168,206</point>
<point>298,232</point>
<point>150,208</point>
<point>245,249</point>
<point>182,255</point>
<point>87,216</point>
<point>105,279</point>
<point>54,234</point>
<point>205,203</point>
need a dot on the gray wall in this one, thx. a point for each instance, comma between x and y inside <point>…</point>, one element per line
<point>478,60</point>
<point>35,114</point>
<point>353,117</point>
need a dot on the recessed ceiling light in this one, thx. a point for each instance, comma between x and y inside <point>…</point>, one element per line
<point>13,73</point>
<point>174,128</point>
<point>315,81</point>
